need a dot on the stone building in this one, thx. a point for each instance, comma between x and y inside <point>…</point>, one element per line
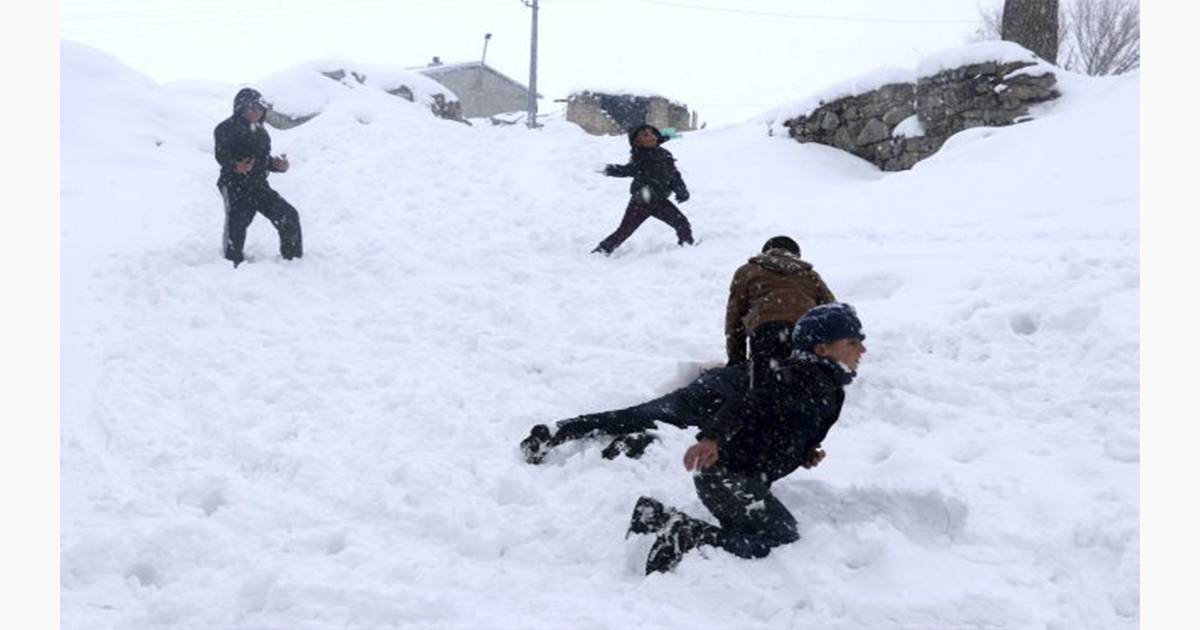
<point>602,114</point>
<point>482,90</point>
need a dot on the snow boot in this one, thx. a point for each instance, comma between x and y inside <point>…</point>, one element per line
<point>649,517</point>
<point>632,445</point>
<point>535,447</point>
<point>681,536</point>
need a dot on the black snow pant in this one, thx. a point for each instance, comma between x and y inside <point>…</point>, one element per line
<point>753,521</point>
<point>770,344</point>
<point>693,405</point>
<point>636,214</point>
<point>242,202</point>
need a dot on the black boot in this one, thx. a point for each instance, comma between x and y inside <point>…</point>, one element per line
<point>535,447</point>
<point>633,445</point>
<point>681,536</point>
<point>649,517</point>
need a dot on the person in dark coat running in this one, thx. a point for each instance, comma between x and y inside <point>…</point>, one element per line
<point>756,440</point>
<point>766,297</point>
<point>691,406</point>
<point>655,177</point>
<point>243,149</point>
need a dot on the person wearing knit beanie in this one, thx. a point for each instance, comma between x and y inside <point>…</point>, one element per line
<point>825,324</point>
<point>757,439</point>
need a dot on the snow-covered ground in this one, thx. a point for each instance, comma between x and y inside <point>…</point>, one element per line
<point>332,442</point>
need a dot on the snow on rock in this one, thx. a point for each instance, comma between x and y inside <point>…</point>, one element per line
<point>998,51</point>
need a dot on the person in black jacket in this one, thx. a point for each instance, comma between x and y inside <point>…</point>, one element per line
<point>758,439</point>
<point>243,149</point>
<point>654,179</point>
<point>691,406</point>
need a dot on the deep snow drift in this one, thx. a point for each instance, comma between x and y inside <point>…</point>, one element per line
<point>331,442</point>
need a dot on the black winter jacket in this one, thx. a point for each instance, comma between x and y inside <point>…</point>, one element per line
<point>652,169</point>
<point>236,138</point>
<point>771,429</point>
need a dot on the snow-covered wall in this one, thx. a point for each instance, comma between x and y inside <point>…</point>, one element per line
<point>895,123</point>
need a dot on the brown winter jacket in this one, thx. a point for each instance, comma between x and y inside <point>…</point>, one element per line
<point>774,286</point>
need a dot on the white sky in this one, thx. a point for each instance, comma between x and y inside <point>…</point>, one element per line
<point>725,59</point>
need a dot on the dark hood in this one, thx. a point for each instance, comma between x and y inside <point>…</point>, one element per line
<point>657,134</point>
<point>247,96</point>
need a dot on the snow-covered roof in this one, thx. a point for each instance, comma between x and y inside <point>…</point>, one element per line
<point>306,89</point>
<point>449,68</point>
<point>442,68</point>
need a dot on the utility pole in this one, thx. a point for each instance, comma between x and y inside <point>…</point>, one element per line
<point>532,115</point>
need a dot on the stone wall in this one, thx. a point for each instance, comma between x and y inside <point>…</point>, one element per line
<point>603,114</point>
<point>588,114</point>
<point>897,125</point>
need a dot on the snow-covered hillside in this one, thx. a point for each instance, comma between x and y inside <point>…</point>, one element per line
<point>332,442</point>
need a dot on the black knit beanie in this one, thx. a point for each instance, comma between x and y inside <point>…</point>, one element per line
<point>824,324</point>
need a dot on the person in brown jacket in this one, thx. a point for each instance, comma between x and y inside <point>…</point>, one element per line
<point>766,297</point>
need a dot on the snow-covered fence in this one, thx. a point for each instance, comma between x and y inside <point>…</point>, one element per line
<point>898,124</point>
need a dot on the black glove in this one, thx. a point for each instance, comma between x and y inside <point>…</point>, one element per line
<point>682,195</point>
<point>610,170</point>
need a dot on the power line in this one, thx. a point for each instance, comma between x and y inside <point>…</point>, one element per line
<point>794,16</point>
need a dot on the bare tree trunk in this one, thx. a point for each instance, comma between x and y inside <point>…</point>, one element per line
<point>1032,24</point>
<point>1096,37</point>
